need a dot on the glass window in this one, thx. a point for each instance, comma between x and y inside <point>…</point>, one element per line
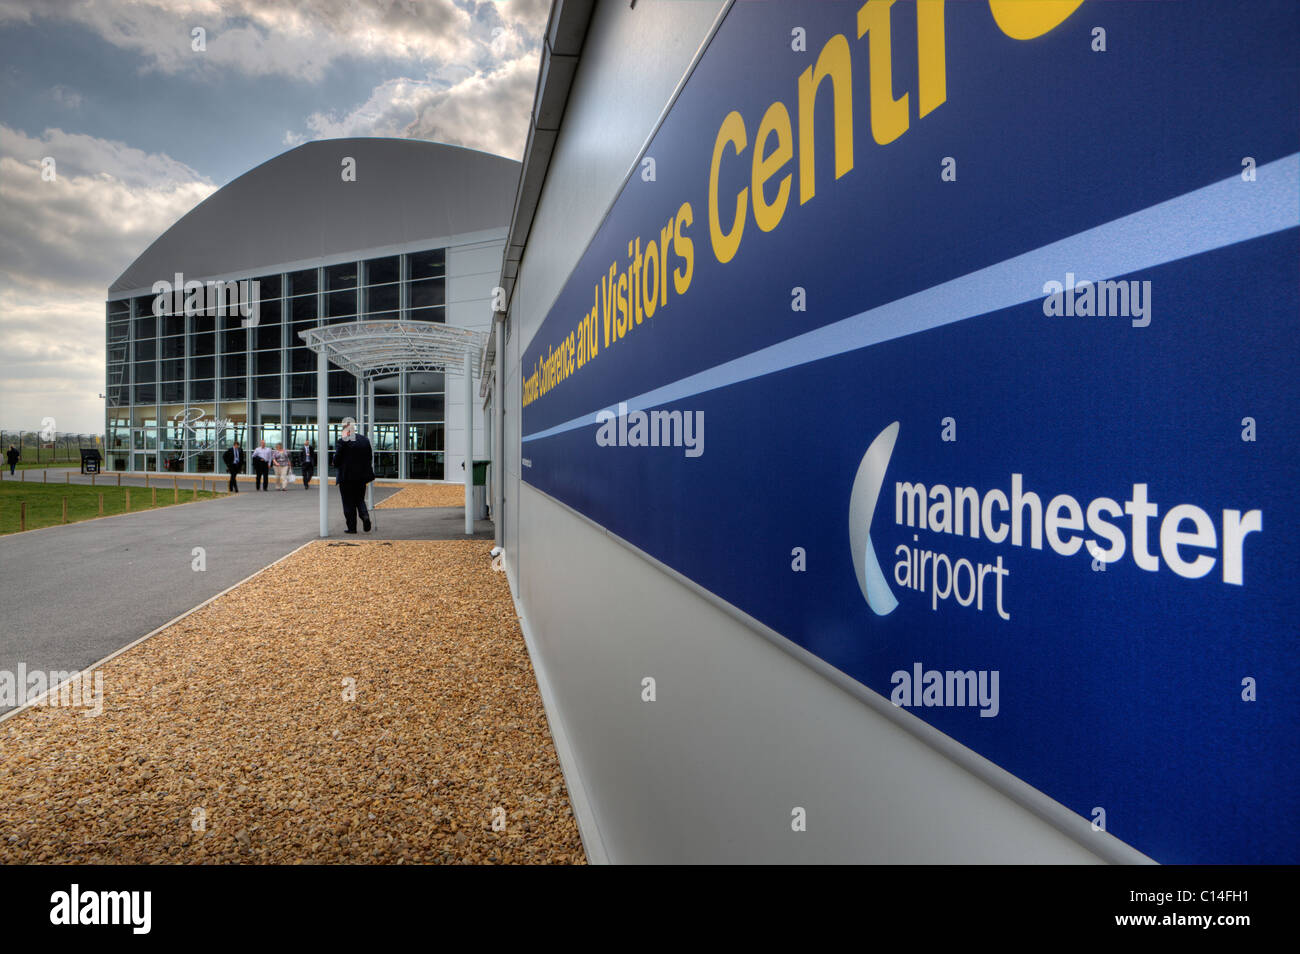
<point>304,309</point>
<point>385,464</point>
<point>172,347</point>
<point>234,389</point>
<point>118,330</point>
<point>424,407</point>
<point>424,381</point>
<point>424,437</point>
<point>268,286</point>
<point>145,394</point>
<point>145,373</point>
<point>203,391</point>
<point>380,271</point>
<point>146,350</point>
<point>302,359</point>
<point>203,367</point>
<point>203,323</point>
<point>431,291</point>
<point>146,327</point>
<point>430,314</point>
<point>173,324</point>
<point>302,283</point>
<point>234,339</point>
<point>385,408</point>
<point>204,344</point>
<point>341,276</point>
<point>267,336</point>
<point>342,384</point>
<point>234,365</point>
<point>268,387</point>
<point>173,369</point>
<point>426,264</point>
<point>384,298</point>
<point>266,362</point>
<point>424,466</point>
<point>341,304</point>
<point>302,385</point>
<point>144,306</point>
<point>172,392</point>
<point>386,385</point>
<point>120,309</point>
<point>117,394</point>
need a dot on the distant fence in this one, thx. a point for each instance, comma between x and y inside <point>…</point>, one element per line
<point>37,445</point>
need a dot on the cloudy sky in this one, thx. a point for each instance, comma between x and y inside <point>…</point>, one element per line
<point>142,127</point>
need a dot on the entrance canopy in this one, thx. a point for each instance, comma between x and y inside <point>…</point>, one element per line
<point>368,349</point>
<point>373,348</point>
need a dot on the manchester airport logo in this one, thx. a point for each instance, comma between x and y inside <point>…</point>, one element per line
<point>1185,539</point>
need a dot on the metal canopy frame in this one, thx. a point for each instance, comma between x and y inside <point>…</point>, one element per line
<point>375,348</point>
<point>369,349</point>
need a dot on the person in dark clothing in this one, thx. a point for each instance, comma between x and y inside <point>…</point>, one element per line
<point>308,464</point>
<point>352,471</point>
<point>235,461</point>
<point>12,455</point>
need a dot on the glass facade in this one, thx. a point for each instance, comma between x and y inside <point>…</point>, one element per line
<point>181,389</point>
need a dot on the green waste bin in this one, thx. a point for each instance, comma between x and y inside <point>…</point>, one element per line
<point>480,489</point>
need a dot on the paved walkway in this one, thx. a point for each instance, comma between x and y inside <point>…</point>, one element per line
<point>70,595</point>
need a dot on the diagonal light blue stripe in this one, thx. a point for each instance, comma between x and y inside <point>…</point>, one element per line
<point>1214,216</point>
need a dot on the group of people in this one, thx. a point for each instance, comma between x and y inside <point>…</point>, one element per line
<point>264,459</point>
<point>352,470</point>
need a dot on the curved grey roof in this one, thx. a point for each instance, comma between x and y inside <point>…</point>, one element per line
<point>296,207</point>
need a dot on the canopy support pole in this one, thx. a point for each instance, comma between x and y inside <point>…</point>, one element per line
<point>469,444</point>
<point>323,438</point>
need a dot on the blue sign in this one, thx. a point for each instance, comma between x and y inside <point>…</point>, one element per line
<point>957,343</point>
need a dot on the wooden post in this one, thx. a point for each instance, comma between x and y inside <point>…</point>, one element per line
<point>146,479</point>
<point>196,490</point>
<point>45,476</point>
<point>92,480</point>
<point>67,476</point>
<point>22,515</point>
<point>153,496</point>
<point>65,509</point>
<point>119,478</point>
<point>176,494</point>
<point>128,501</point>
<point>101,505</point>
<point>22,475</point>
<point>173,483</point>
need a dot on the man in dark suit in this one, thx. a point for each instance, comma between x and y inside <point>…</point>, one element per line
<point>352,471</point>
<point>235,462</point>
<point>308,464</point>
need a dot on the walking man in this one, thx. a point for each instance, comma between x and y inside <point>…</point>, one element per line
<point>262,467</point>
<point>12,456</point>
<point>308,464</point>
<point>233,458</point>
<point>352,471</point>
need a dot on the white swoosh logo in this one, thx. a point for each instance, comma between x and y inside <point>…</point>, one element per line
<point>862,505</point>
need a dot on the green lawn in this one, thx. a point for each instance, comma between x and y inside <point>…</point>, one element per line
<point>45,501</point>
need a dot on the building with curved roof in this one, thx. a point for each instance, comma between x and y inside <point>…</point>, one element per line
<point>331,232</point>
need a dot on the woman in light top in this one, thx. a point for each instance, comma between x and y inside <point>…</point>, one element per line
<point>280,460</point>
